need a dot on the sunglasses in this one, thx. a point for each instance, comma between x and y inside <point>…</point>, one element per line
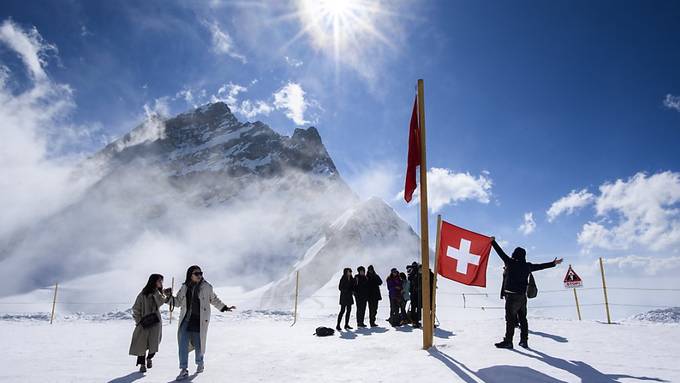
<point>198,273</point>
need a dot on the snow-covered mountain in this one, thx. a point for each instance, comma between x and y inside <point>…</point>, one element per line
<point>251,206</point>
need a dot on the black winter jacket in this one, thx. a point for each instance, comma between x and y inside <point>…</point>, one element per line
<point>516,276</point>
<point>346,287</point>
<point>361,287</point>
<point>374,282</point>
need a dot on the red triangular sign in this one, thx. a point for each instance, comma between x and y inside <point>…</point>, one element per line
<point>572,279</point>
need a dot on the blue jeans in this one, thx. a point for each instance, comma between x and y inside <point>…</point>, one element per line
<point>184,338</point>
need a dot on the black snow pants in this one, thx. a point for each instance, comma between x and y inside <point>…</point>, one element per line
<point>395,304</point>
<point>516,311</point>
<point>361,311</point>
<point>372,311</point>
<point>347,313</point>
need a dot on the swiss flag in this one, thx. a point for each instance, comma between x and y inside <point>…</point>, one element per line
<point>463,255</point>
<point>413,160</point>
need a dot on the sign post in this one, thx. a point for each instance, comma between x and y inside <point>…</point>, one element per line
<point>572,280</point>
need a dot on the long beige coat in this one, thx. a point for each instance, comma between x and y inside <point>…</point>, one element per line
<point>206,297</point>
<point>146,338</point>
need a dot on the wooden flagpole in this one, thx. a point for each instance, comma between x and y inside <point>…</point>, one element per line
<point>436,272</point>
<point>424,235</point>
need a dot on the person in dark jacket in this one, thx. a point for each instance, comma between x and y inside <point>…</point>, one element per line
<point>346,287</point>
<point>415,284</point>
<point>405,297</point>
<point>374,296</point>
<point>394,286</point>
<point>515,283</point>
<point>361,291</point>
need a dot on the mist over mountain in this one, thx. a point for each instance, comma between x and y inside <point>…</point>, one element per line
<point>249,205</point>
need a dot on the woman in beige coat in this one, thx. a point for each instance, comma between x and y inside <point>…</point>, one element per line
<point>147,315</point>
<point>194,298</point>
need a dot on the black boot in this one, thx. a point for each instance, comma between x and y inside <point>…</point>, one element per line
<point>524,344</point>
<point>348,327</point>
<point>504,344</point>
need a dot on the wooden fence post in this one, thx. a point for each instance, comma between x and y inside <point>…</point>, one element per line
<point>54,301</point>
<point>297,290</point>
<point>604,288</point>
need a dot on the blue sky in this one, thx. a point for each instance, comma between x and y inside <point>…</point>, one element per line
<point>526,101</point>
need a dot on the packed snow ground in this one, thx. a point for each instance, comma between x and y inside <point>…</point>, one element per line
<point>263,347</point>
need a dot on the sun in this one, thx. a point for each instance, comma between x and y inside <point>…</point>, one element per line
<point>343,28</point>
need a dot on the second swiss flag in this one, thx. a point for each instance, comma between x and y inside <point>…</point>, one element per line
<point>463,255</point>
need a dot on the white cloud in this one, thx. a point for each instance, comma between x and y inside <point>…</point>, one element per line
<point>186,94</point>
<point>29,45</point>
<point>34,181</point>
<point>529,225</point>
<point>446,187</point>
<point>672,102</point>
<point>251,109</point>
<point>648,264</point>
<point>639,212</point>
<point>223,43</point>
<point>295,63</point>
<point>247,108</point>
<point>569,203</point>
<point>291,99</point>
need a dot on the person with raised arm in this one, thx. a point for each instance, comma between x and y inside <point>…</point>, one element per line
<point>514,289</point>
<point>194,298</point>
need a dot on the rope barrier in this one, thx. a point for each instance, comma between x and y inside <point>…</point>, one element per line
<point>242,299</point>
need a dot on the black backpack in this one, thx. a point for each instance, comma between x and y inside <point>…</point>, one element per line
<point>532,289</point>
<point>324,331</point>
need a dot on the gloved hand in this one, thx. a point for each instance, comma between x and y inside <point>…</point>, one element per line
<point>227,308</point>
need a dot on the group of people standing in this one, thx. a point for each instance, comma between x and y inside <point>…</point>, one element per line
<point>365,286</point>
<point>194,299</point>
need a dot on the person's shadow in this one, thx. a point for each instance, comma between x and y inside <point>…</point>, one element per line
<point>370,330</point>
<point>556,338</point>
<point>348,335</point>
<point>444,334</point>
<point>493,374</point>
<point>131,377</point>
<point>583,370</point>
<point>188,379</point>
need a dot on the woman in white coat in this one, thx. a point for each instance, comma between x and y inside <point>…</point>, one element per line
<point>194,298</point>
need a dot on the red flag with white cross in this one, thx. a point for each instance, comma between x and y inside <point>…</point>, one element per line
<point>463,255</point>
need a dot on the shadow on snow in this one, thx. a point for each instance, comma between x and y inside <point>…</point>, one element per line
<point>556,338</point>
<point>506,374</point>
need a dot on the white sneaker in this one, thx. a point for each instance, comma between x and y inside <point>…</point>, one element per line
<point>183,374</point>
<point>200,368</point>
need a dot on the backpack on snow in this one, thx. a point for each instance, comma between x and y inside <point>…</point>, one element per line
<point>532,289</point>
<point>324,331</point>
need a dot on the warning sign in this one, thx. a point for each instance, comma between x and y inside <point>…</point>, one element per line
<point>572,279</point>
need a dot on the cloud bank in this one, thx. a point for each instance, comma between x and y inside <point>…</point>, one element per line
<point>639,212</point>
<point>35,181</point>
